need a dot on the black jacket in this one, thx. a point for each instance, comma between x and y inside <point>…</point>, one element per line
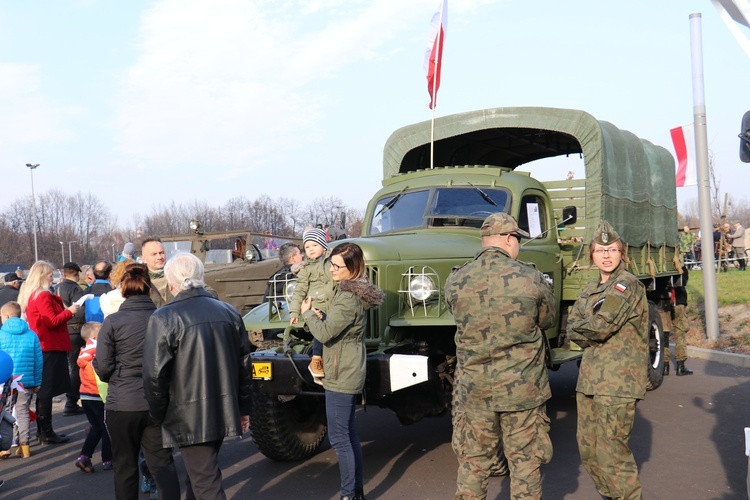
<point>7,294</point>
<point>69,292</point>
<point>119,354</point>
<point>193,371</point>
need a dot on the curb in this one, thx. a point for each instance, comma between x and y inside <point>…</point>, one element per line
<point>727,358</point>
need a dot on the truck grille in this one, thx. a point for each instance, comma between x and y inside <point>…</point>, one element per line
<point>373,315</point>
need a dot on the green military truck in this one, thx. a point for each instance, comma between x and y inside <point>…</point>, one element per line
<point>425,221</point>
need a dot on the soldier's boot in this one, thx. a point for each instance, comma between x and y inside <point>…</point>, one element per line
<point>666,368</point>
<point>681,370</point>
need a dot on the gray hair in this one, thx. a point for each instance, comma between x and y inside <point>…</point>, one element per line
<point>184,271</point>
<point>286,251</point>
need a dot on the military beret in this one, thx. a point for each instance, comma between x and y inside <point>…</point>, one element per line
<point>501,223</point>
<point>605,234</point>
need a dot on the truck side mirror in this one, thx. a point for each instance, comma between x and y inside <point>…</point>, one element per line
<point>745,138</point>
<point>570,216</point>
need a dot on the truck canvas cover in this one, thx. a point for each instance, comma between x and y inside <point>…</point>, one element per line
<point>629,181</point>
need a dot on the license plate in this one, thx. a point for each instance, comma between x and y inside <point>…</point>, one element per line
<point>262,371</point>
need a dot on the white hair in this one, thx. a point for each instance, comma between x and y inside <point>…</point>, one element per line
<point>184,271</point>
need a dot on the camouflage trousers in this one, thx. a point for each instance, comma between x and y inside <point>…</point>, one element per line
<point>680,327</point>
<point>478,437</point>
<point>604,426</point>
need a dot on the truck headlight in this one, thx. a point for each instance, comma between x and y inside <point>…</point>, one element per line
<point>421,288</point>
<point>289,290</point>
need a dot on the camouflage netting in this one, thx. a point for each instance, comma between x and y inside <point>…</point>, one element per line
<point>628,180</point>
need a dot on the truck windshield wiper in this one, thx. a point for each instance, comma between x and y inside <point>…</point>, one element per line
<point>484,195</point>
<point>391,202</point>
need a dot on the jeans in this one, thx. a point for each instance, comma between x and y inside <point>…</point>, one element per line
<point>94,411</point>
<point>317,348</point>
<point>342,433</point>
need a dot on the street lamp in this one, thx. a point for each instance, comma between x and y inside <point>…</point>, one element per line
<point>70,250</point>
<point>62,251</point>
<point>33,206</point>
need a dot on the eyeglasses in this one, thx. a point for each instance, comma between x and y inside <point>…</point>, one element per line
<point>515,235</point>
<point>337,267</point>
<point>602,251</point>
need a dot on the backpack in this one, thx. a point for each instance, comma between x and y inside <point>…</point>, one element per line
<point>94,310</point>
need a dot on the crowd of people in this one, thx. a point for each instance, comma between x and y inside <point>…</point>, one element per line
<point>148,351</point>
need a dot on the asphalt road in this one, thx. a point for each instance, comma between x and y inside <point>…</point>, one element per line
<point>688,442</point>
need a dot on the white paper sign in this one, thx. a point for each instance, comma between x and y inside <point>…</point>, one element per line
<point>535,227</point>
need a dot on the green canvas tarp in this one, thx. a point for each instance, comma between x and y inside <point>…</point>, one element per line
<point>629,181</point>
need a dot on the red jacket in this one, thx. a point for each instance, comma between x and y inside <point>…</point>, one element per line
<point>48,318</point>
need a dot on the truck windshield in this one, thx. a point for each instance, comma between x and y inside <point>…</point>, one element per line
<point>464,206</point>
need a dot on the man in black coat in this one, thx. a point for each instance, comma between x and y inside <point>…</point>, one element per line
<point>10,291</point>
<point>193,367</point>
<point>70,292</point>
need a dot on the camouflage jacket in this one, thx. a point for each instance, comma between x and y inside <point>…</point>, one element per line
<point>610,321</point>
<point>687,242</point>
<point>501,307</point>
<point>313,280</point>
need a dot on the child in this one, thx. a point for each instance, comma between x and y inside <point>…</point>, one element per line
<point>92,403</point>
<point>313,281</point>
<point>24,348</point>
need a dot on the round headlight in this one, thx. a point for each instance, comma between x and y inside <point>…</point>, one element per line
<point>421,288</point>
<point>289,290</point>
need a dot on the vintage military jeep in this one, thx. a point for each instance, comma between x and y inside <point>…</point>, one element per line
<point>238,264</point>
<point>424,222</point>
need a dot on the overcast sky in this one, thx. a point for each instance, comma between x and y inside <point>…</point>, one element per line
<point>145,103</point>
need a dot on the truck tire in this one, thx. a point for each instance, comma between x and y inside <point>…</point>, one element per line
<point>287,430</point>
<point>655,347</point>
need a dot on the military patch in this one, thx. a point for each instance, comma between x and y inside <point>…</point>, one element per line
<point>620,287</point>
<point>598,305</point>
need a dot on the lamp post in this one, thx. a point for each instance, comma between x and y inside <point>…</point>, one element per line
<point>113,252</point>
<point>33,206</point>
<point>62,252</point>
<point>70,250</point>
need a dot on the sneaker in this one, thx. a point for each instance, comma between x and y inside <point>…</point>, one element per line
<point>84,463</point>
<point>316,367</point>
<point>147,484</point>
<point>107,465</point>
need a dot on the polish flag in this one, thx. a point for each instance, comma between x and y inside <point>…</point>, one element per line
<point>433,60</point>
<point>683,139</point>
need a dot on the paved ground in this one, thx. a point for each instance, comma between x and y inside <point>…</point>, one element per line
<point>688,441</point>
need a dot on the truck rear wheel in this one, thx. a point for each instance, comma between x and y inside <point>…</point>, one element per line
<point>287,430</point>
<point>655,348</point>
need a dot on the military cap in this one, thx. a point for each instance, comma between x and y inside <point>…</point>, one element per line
<point>605,234</point>
<point>501,223</point>
<point>72,266</point>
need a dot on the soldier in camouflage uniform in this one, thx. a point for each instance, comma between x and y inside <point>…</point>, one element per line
<point>680,328</point>
<point>610,321</point>
<point>501,307</point>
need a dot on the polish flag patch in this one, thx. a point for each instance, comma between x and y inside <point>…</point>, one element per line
<point>620,287</point>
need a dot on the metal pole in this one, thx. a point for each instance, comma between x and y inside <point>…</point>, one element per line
<point>33,206</point>
<point>62,252</point>
<point>70,250</point>
<point>710,296</point>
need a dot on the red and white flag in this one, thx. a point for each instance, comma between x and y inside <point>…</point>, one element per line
<point>683,139</point>
<point>433,61</point>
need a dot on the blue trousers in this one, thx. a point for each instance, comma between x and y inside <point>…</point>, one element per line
<point>94,411</point>
<point>342,434</point>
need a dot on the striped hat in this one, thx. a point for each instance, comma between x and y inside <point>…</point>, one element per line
<point>316,235</point>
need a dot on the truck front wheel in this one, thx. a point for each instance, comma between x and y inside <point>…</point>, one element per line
<point>655,348</point>
<point>287,428</point>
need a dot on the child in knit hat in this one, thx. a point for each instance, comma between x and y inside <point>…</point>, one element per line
<point>314,281</point>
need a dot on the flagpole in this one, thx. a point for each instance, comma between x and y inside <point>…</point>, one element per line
<point>710,296</point>
<point>438,61</point>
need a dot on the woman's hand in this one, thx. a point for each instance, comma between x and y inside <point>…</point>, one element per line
<point>73,308</point>
<point>306,305</point>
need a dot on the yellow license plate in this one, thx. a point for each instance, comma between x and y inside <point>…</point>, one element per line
<point>262,371</point>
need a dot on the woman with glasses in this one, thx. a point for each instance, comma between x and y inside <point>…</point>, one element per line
<point>341,331</point>
<point>610,322</point>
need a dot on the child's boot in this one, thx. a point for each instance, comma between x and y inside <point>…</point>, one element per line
<point>23,451</point>
<point>316,367</point>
